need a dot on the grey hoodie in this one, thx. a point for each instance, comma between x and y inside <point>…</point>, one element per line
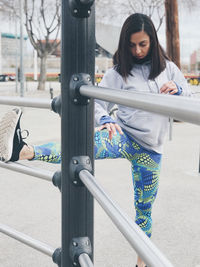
<point>146,128</point>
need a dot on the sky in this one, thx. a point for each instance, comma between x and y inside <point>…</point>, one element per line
<point>189,22</point>
<point>189,33</point>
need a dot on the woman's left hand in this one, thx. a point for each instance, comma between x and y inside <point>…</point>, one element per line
<point>169,87</point>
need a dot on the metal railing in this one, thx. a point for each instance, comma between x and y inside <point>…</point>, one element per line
<point>76,180</point>
<point>26,102</point>
<point>132,232</point>
<point>181,108</point>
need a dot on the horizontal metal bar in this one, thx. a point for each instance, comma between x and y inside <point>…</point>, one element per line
<point>29,241</point>
<point>178,107</point>
<point>26,102</point>
<point>132,232</point>
<point>85,261</point>
<point>42,174</point>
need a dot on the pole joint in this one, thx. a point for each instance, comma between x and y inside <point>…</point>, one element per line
<point>57,179</point>
<point>56,104</point>
<point>77,80</point>
<point>56,257</point>
<point>79,246</point>
<point>80,8</point>
<point>78,164</point>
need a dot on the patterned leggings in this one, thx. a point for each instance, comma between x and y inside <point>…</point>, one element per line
<point>145,169</point>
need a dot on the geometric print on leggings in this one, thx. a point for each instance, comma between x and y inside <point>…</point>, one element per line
<point>145,171</point>
<point>145,168</point>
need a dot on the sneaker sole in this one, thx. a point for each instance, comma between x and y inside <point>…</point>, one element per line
<point>7,130</point>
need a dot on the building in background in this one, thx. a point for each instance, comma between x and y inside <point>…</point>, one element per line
<point>195,62</point>
<point>9,51</point>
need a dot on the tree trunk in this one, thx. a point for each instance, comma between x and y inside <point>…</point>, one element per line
<point>172,31</point>
<point>43,70</point>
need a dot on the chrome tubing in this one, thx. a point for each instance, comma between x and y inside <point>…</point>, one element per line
<point>26,102</point>
<point>85,261</point>
<point>178,107</point>
<point>42,174</point>
<point>29,241</point>
<point>131,231</point>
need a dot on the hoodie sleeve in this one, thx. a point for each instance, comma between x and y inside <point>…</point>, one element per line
<point>178,77</point>
<point>111,79</point>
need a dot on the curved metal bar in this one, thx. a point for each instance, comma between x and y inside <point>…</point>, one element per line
<point>29,241</point>
<point>42,174</point>
<point>85,261</point>
<point>26,102</point>
<point>135,236</point>
<point>179,107</point>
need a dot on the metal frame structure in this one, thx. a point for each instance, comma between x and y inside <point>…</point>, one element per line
<point>76,181</point>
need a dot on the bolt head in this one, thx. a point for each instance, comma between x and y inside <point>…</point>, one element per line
<point>88,100</point>
<point>75,161</point>
<point>75,11</point>
<point>75,78</point>
<point>75,100</point>
<point>89,11</point>
<point>75,182</point>
<point>74,244</point>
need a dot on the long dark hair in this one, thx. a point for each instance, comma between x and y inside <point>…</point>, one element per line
<point>123,59</point>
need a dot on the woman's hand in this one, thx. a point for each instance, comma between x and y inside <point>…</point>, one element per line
<point>112,129</point>
<point>169,87</point>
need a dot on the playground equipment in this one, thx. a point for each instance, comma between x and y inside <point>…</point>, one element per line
<point>76,181</point>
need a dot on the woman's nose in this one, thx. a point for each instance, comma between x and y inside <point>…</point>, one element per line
<point>138,50</point>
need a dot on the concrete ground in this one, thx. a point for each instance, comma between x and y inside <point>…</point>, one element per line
<point>32,206</point>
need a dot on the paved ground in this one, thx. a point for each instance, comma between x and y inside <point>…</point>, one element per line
<point>32,206</point>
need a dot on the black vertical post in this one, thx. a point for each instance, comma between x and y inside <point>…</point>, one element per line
<point>78,47</point>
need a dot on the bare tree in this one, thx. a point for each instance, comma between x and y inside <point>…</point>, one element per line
<point>43,20</point>
<point>116,11</point>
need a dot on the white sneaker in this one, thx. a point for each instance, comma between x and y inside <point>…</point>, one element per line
<point>11,141</point>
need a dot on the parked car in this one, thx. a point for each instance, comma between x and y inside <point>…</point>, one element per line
<point>4,78</point>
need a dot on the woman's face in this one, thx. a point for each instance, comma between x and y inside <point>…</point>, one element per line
<point>139,44</point>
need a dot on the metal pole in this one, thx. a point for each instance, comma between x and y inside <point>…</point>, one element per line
<point>180,108</point>
<point>26,102</point>
<point>29,241</point>
<point>16,61</point>
<point>85,260</point>
<point>35,65</point>
<point>171,121</point>
<point>21,50</point>
<point>132,232</point>
<point>43,174</point>
<point>78,46</point>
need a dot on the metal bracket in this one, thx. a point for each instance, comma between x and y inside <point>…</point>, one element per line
<point>77,80</point>
<point>56,257</point>
<point>56,104</point>
<point>78,164</point>
<point>80,8</point>
<point>77,247</point>
<point>57,179</point>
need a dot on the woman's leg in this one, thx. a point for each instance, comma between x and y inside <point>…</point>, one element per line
<point>145,171</point>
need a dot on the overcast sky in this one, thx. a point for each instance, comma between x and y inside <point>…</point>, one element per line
<point>189,22</point>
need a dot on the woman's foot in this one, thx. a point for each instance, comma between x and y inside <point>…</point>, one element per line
<point>140,263</point>
<point>11,141</point>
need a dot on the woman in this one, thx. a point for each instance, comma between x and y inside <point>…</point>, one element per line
<point>140,65</point>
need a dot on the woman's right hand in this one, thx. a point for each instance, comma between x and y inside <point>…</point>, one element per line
<point>112,129</point>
